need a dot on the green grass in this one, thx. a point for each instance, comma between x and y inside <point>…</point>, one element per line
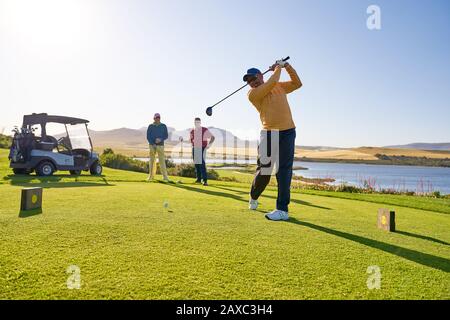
<point>426,203</point>
<point>207,245</point>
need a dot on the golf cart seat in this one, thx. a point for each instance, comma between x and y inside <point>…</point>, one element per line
<point>47,144</point>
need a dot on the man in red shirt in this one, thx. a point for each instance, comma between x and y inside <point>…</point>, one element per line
<point>201,139</point>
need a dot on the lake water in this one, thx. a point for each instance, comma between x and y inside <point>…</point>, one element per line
<point>400,178</point>
<point>418,179</point>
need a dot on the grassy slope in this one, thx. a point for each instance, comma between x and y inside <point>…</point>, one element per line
<point>207,245</point>
<point>335,154</point>
<point>368,153</point>
<point>405,152</point>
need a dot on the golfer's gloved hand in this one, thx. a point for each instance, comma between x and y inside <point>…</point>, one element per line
<point>281,63</point>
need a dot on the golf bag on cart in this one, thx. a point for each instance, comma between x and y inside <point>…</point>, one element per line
<point>23,143</point>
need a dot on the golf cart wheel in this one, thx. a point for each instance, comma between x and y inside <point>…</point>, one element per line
<point>75,172</point>
<point>45,169</point>
<point>21,171</point>
<point>96,169</point>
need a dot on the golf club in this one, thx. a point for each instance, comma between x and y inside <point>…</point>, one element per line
<point>210,109</point>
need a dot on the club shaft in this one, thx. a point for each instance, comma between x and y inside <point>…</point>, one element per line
<point>234,92</point>
<point>229,95</point>
<point>240,88</point>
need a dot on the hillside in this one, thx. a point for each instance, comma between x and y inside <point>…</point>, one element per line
<point>133,142</point>
<point>126,136</point>
<point>404,152</point>
<point>424,146</point>
<point>345,154</point>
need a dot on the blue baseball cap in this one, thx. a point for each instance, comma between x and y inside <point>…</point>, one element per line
<point>251,73</point>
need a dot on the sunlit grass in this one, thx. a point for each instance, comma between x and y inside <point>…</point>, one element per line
<point>133,239</point>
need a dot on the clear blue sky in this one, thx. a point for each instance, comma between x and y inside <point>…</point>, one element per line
<point>118,62</point>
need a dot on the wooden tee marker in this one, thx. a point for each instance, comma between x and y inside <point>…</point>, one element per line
<point>386,220</point>
<point>31,199</point>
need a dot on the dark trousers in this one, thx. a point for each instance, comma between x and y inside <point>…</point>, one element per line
<point>200,168</point>
<point>284,161</point>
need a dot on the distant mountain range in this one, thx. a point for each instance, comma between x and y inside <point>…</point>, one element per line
<point>133,142</point>
<point>424,146</point>
<point>136,137</point>
<point>130,138</point>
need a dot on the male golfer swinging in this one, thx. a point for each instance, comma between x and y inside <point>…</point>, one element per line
<point>270,99</point>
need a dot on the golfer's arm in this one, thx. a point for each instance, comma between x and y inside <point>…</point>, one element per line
<point>166,133</point>
<point>261,91</point>
<point>295,82</point>
<point>211,141</point>
<point>149,134</point>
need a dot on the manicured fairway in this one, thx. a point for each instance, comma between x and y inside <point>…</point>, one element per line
<point>133,239</point>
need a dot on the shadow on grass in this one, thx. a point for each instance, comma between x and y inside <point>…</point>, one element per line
<point>300,202</point>
<point>29,213</point>
<point>424,259</point>
<point>419,236</point>
<point>208,191</point>
<point>54,181</point>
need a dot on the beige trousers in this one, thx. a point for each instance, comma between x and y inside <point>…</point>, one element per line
<point>157,150</point>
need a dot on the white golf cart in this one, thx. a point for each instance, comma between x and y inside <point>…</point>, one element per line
<point>45,154</point>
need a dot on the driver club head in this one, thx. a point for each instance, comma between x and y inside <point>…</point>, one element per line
<point>209,111</point>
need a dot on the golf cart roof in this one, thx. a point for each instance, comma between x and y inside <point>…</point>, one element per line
<point>43,118</point>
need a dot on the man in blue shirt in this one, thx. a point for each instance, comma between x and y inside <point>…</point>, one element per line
<point>156,134</point>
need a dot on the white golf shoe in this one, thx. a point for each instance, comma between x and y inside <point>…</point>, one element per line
<point>252,204</point>
<point>278,215</point>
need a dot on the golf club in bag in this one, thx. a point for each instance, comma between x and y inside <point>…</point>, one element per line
<point>209,110</point>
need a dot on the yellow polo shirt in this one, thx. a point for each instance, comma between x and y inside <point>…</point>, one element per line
<point>270,99</point>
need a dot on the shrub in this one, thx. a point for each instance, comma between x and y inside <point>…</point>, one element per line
<point>170,163</point>
<point>119,161</point>
<point>188,171</point>
<point>388,191</point>
<point>5,141</point>
<point>369,184</point>
<point>213,174</point>
<point>347,188</point>
<point>108,151</point>
<point>436,194</point>
<point>382,156</point>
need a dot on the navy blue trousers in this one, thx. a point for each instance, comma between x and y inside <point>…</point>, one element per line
<point>284,162</point>
<point>200,168</point>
